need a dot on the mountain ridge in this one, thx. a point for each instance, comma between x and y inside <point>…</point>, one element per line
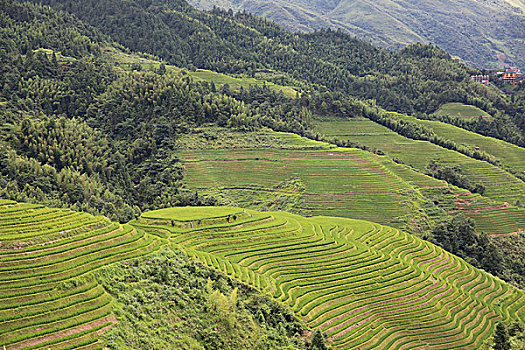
<point>475,31</point>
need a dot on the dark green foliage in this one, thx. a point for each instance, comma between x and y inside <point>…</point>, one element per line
<point>318,341</point>
<point>501,338</point>
<point>79,133</point>
<point>513,251</point>
<point>50,155</point>
<point>452,175</point>
<point>169,301</point>
<point>515,329</point>
<point>459,237</point>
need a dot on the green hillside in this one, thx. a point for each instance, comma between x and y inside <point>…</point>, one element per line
<point>475,31</point>
<point>49,296</point>
<point>365,285</point>
<point>132,61</point>
<point>500,185</point>
<point>72,280</point>
<point>496,216</point>
<point>461,110</point>
<point>275,171</point>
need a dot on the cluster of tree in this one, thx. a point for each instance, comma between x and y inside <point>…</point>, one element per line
<point>513,249</point>
<point>419,78</point>
<point>212,310</point>
<point>452,175</point>
<point>509,338</point>
<point>458,236</point>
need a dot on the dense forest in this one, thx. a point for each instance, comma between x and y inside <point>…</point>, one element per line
<point>415,80</point>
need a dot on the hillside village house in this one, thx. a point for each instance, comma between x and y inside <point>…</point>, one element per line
<point>483,79</point>
<point>511,74</point>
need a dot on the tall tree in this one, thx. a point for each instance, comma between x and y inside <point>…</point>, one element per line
<point>501,338</point>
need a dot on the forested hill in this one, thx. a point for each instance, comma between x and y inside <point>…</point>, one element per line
<point>417,79</point>
<point>82,130</point>
<point>477,31</point>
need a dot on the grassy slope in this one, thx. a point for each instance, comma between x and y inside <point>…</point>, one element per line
<point>501,185</point>
<point>365,285</point>
<point>169,301</point>
<point>461,110</point>
<point>472,30</point>
<point>53,262</point>
<point>146,62</point>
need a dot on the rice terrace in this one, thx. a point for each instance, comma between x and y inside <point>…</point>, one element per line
<point>353,279</point>
<point>184,174</point>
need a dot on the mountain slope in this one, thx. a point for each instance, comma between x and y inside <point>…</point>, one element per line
<point>476,31</point>
<point>68,278</point>
<point>367,286</point>
<point>417,79</point>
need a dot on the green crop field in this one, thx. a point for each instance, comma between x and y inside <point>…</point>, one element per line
<point>504,189</point>
<point>367,286</point>
<point>461,110</point>
<point>338,182</point>
<point>48,296</point>
<point>353,279</point>
<point>501,185</point>
<point>508,154</point>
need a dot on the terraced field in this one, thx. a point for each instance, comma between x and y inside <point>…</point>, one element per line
<point>508,154</point>
<point>501,185</point>
<point>339,182</point>
<point>342,182</point>
<point>367,286</point>
<point>48,296</point>
<point>504,189</point>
